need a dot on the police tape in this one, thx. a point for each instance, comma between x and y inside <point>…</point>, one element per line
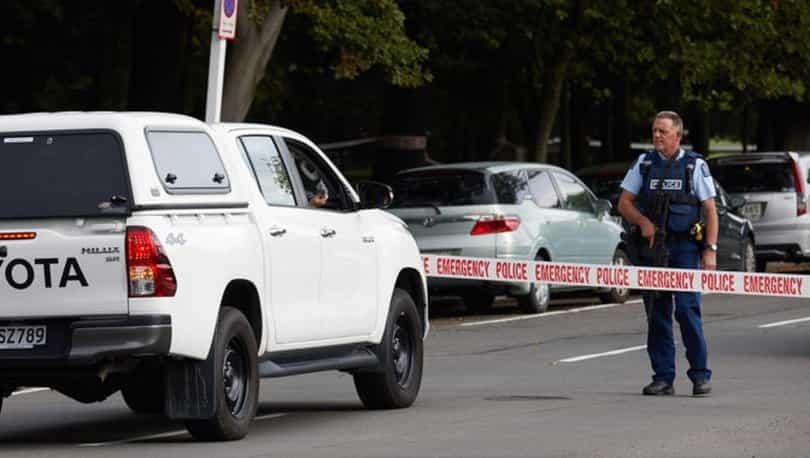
<point>616,276</point>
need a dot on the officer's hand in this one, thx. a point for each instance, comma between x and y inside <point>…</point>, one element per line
<point>709,260</point>
<point>648,230</point>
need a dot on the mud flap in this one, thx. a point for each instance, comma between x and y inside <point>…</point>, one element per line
<point>190,389</point>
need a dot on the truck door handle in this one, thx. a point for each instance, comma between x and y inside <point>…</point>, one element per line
<point>276,231</point>
<point>326,232</point>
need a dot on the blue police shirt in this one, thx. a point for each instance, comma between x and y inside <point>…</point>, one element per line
<point>702,182</point>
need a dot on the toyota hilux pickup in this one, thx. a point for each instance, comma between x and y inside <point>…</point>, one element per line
<point>180,262</point>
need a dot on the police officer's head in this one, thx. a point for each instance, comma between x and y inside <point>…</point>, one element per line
<point>667,130</point>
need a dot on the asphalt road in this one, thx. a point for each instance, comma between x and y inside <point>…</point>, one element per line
<point>498,385</point>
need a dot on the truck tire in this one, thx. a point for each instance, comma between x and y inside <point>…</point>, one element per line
<point>396,383</point>
<point>617,295</point>
<point>145,392</point>
<point>237,386</point>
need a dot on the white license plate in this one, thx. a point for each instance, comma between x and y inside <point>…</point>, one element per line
<point>752,211</point>
<point>22,337</point>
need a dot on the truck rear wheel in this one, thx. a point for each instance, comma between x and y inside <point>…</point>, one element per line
<point>236,380</point>
<point>396,384</point>
<point>145,392</point>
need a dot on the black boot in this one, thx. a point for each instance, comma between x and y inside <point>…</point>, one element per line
<point>659,388</point>
<point>701,388</point>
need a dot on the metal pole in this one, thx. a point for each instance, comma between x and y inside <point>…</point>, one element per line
<point>216,71</point>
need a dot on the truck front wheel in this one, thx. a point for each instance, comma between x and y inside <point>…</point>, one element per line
<point>396,383</point>
<point>236,380</point>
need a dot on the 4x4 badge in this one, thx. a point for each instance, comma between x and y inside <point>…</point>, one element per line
<point>173,239</point>
<point>429,221</point>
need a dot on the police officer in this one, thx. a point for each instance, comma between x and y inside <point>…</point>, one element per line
<point>681,180</point>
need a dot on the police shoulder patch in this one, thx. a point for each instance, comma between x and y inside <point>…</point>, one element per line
<point>705,170</point>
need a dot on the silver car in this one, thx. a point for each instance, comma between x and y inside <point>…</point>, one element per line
<point>774,187</point>
<point>507,210</point>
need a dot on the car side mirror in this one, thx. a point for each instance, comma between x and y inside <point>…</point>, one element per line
<point>737,202</point>
<point>603,207</point>
<point>374,194</point>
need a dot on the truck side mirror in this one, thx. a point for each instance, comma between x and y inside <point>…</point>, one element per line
<point>374,194</point>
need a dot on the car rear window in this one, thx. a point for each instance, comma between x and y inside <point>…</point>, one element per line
<point>510,187</point>
<point>63,174</point>
<point>754,177</point>
<point>441,188</point>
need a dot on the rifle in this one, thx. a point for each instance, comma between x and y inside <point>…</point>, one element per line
<point>660,213</point>
<point>640,251</point>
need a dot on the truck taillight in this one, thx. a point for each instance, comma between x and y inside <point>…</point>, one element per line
<point>495,224</point>
<point>798,183</point>
<point>150,272</point>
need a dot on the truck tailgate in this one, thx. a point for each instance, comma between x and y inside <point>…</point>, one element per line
<point>64,267</point>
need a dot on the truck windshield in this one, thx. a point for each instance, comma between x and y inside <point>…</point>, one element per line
<point>58,174</point>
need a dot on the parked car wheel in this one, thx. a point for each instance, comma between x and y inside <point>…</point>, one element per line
<point>748,260</point>
<point>478,300</point>
<point>144,392</point>
<point>396,384</point>
<point>617,295</point>
<point>538,298</point>
<point>237,387</point>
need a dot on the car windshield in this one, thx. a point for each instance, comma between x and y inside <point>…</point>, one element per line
<point>755,177</point>
<point>441,188</point>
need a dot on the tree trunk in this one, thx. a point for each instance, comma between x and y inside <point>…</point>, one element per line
<point>552,89</point>
<point>554,78</point>
<point>248,57</point>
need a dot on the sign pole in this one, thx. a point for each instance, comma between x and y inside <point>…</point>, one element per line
<point>216,70</point>
<point>225,13</point>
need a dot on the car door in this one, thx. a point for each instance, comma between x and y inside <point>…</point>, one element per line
<point>347,286</point>
<point>292,249</point>
<point>729,232</point>
<point>593,239</point>
<point>548,219</point>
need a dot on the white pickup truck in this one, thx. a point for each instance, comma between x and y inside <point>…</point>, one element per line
<point>180,262</point>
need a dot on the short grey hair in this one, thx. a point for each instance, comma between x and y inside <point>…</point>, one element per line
<point>677,121</point>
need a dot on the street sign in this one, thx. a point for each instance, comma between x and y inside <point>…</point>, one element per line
<point>227,19</point>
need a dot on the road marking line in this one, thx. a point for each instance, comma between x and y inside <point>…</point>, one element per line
<point>29,391</point>
<point>784,323</point>
<point>165,435</point>
<point>136,439</point>
<point>549,314</point>
<point>599,355</point>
